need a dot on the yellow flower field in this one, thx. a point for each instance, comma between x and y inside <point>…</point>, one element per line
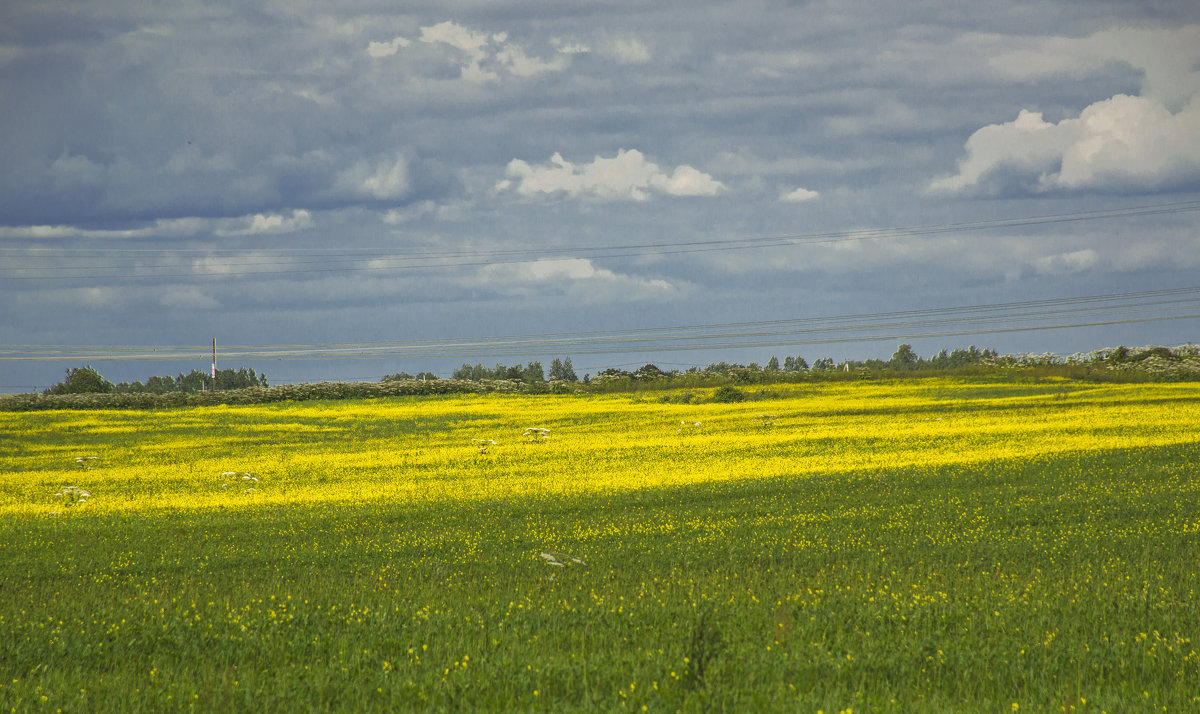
<point>412,450</point>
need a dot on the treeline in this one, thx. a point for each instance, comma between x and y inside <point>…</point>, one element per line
<point>196,381</point>
<point>561,370</point>
<point>85,388</point>
<point>793,368</point>
<point>86,380</point>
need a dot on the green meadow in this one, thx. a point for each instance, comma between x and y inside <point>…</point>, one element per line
<point>911,546</point>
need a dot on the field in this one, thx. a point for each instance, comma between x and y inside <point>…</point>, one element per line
<point>907,546</point>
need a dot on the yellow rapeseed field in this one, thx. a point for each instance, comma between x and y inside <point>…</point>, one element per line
<point>412,450</point>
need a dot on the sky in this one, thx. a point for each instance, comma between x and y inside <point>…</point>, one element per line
<point>339,191</point>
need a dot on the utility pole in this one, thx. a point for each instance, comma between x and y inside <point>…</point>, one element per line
<point>214,369</point>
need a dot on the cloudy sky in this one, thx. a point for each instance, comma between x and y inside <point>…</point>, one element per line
<point>411,184</point>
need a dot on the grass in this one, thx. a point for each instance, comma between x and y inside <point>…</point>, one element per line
<point>882,548</point>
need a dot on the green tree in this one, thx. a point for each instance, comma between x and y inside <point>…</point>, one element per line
<point>904,357</point>
<point>160,385</point>
<point>82,380</point>
<point>194,381</point>
<point>795,364</point>
<point>242,378</point>
<point>533,373</point>
<point>562,369</point>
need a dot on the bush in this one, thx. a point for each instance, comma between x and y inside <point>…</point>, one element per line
<point>265,395</point>
<point>728,394</point>
<point>679,398</point>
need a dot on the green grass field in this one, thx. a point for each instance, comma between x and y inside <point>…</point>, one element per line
<point>934,545</point>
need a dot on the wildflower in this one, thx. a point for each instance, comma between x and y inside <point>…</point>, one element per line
<point>73,494</point>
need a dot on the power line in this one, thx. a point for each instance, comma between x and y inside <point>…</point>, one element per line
<point>989,319</point>
<point>220,263</point>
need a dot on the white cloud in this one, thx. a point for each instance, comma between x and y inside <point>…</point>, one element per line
<point>424,209</point>
<point>73,170</point>
<point>1123,143</point>
<point>626,177</point>
<point>455,35</point>
<point>273,223</point>
<point>173,227</point>
<point>1127,143</point>
<point>386,179</point>
<point>568,47</point>
<point>522,65</point>
<point>577,278</point>
<point>1168,59</point>
<point>628,50</point>
<point>161,228</point>
<point>1066,263</point>
<point>798,195</point>
<point>488,56</point>
<point>379,50</point>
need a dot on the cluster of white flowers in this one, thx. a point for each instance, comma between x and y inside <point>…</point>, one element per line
<point>536,434</point>
<point>247,479</point>
<point>73,495</point>
<point>559,560</point>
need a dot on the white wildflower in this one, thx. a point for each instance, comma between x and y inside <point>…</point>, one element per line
<point>73,495</point>
<point>556,560</point>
